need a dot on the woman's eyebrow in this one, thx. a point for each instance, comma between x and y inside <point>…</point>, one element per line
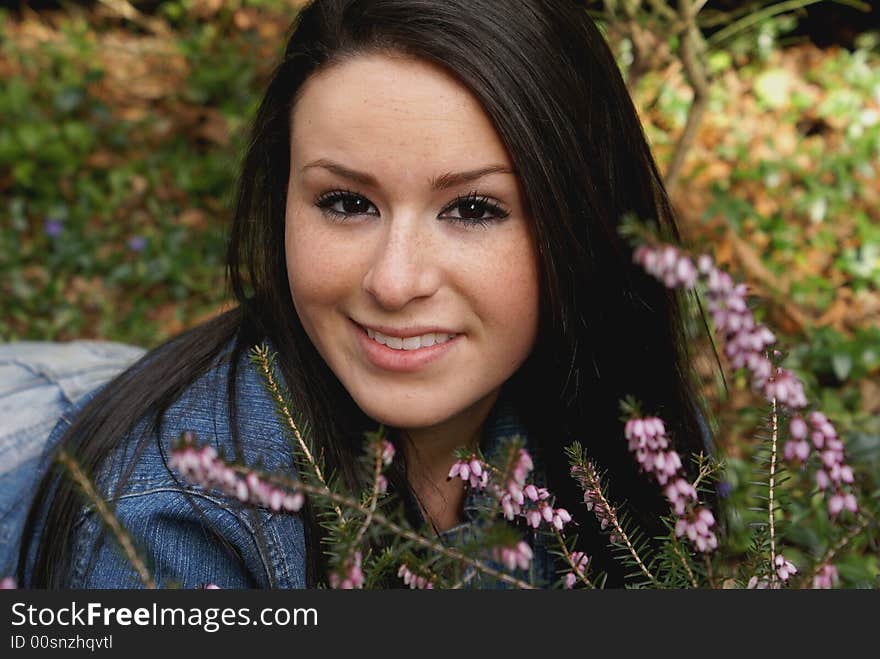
<point>442,182</point>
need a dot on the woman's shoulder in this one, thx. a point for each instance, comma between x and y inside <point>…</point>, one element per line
<point>246,428</point>
<point>166,514</point>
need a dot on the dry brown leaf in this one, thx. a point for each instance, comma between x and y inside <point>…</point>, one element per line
<point>102,159</point>
<point>214,127</point>
<point>193,218</point>
<point>724,251</point>
<point>210,314</point>
<point>837,313</point>
<point>870,393</point>
<point>750,260</point>
<point>167,317</point>
<point>245,19</point>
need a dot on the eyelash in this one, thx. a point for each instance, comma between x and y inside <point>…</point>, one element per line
<point>328,199</point>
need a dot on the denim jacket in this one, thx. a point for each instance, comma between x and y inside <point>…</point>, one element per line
<point>238,547</point>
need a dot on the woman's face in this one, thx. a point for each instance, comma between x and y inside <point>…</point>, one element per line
<point>408,251</point>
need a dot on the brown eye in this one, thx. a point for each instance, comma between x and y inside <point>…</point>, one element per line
<point>354,204</point>
<point>473,210</point>
<point>340,204</point>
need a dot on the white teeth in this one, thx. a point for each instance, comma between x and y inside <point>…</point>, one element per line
<point>410,342</point>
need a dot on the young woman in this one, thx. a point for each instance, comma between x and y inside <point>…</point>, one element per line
<point>426,231</point>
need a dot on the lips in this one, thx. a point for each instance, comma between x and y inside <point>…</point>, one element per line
<point>400,353</point>
<point>410,342</point>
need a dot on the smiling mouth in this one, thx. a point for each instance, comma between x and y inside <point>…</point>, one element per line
<point>410,342</point>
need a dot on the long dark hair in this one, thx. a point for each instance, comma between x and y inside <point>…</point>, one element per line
<point>550,84</point>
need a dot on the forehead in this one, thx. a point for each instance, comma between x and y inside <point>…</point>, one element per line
<point>392,115</point>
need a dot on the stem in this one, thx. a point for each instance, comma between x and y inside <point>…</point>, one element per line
<point>704,471</point>
<point>109,518</point>
<point>709,576</point>
<point>663,10</point>
<point>692,46</point>
<point>263,356</point>
<point>684,562</point>
<point>762,14</point>
<point>596,486</point>
<point>125,9</point>
<point>832,551</point>
<point>374,497</point>
<point>582,575</point>
<point>774,420</point>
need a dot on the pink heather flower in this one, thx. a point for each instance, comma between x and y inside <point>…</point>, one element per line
<point>705,264</point>
<point>786,389</point>
<point>760,584</point>
<point>686,272</point>
<point>798,428</point>
<point>513,557</point>
<point>387,452</point>
<point>842,501</point>
<point>796,451</point>
<point>696,526</point>
<point>580,560</point>
<point>382,483</point>
<point>745,341</point>
<point>561,517</point>
<point>667,264</point>
<point>8,583</point>
<point>784,569</point>
<point>826,577</point>
<point>204,466</point>
<point>817,419</point>
<point>516,493</point>
<point>413,580</point>
<point>680,494</point>
<point>471,471</point>
<point>523,467</point>
<point>544,512</point>
<point>513,494</point>
<point>834,474</point>
<point>509,507</point>
<point>648,441</point>
<point>533,517</point>
<point>211,586</point>
<point>353,578</point>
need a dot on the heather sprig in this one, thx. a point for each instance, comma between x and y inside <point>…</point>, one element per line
<point>651,447</point>
<point>628,540</point>
<point>751,345</point>
<point>205,466</point>
<point>510,487</point>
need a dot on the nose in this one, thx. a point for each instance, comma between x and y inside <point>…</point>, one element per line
<point>404,266</point>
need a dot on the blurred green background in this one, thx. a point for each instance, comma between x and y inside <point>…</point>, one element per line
<point>123,124</point>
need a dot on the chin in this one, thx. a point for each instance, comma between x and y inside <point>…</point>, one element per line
<point>407,414</point>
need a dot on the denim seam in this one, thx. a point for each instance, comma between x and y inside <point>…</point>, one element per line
<point>89,510</point>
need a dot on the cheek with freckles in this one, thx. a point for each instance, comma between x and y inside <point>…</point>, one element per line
<point>319,271</point>
<point>506,298</point>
